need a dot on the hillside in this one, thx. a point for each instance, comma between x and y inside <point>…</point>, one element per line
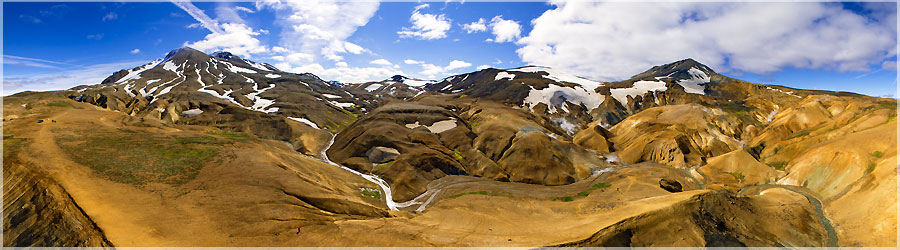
<point>215,150</point>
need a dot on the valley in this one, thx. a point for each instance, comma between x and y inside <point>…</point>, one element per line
<point>211,150</point>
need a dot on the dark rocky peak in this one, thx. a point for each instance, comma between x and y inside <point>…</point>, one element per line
<point>684,69</point>
<point>186,54</point>
<point>397,78</point>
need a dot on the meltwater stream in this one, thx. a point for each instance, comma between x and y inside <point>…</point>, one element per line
<point>385,189</point>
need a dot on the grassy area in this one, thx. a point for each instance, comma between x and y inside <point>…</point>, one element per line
<point>138,158</point>
<point>778,165</point>
<point>11,144</point>
<point>878,154</point>
<point>736,175</point>
<point>870,168</point>
<point>801,133</point>
<point>457,154</point>
<point>829,130</point>
<point>468,193</point>
<point>382,167</point>
<point>370,192</point>
<point>599,185</point>
<point>228,135</point>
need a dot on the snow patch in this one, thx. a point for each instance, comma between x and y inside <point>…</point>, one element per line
<point>560,76</point>
<point>273,75</point>
<point>191,112</point>
<point>639,88</point>
<point>436,127</point>
<point>693,85</point>
<point>373,87</point>
<point>415,82</point>
<point>331,96</point>
<point>569,127</point>
<point>556,96</point>
<point>304,121</point>
<point>503,75</point>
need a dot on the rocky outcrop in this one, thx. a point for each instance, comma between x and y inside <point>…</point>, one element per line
<point>40,213</point>
<point>678,135</point>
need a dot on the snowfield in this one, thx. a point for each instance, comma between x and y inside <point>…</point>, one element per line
<point>638,89</point>
<point>555,96</point>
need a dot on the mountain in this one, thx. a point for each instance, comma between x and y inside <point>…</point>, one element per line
<point>198,149</point>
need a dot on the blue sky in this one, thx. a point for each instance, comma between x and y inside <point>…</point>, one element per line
<point>833,46</point>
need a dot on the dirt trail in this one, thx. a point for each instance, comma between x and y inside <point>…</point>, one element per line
<point>114,206</point>
<point>832,240</point>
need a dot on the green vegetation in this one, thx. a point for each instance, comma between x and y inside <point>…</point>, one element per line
<point>468,193</point>
<point>370,192</point>
<point>878,154</point>
<point>382,167</point>
<point>801,133</point>
<point>463,96</point>
<point>11,144</point>
<point>778,165</point>
<point>600,186</point>
<point>871,168</point>
<point>829,130</point>
<point>736,175</point>
<point>474,124</point>
<point>138,158</point>
<point>228,135</point>
<point>351,114</point>
<point>457,154</point>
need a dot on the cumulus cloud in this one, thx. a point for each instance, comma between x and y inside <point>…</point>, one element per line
<point>236,38</point>
<point>504,30</point>
<point>135,51</point>
<point>481,67</point>
<point>432,71</point>
<point>426,26</point>
<point>319,28</point>
<point>477,26</point>
<point>411,61</point>
<point>382,62</point>
<point>342,73</point>
<point>233,36</point>
<point>612,41</point>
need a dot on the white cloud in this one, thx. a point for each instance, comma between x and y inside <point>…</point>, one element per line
<point>345,74</point>
<point>33,62</point>
<point>411,61</point>
<point>612,41</point>
<point>504,30</point>
<point>382,62</point>
<point>319,28</point>
<point>244,9</point>
<point>234,36</point>
<point>473,27</point>
<point>110,16</point>
<point>341,64</point>
<point>426,26</point>
<point>135,51</point>
<point>432,71</point>
<point>88,75</point>
<point>237,38</point>
<point>481,67</point>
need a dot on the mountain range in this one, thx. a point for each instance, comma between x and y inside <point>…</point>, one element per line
<point>199,149</point>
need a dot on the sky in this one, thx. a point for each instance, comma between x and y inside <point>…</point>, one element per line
<point>831,46</point>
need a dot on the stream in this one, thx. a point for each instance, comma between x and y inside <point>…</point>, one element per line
<point>385,188</point>
<point>829,229</point>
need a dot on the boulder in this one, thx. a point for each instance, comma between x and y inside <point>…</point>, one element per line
<point>382,154</point>
<point>670,185</point>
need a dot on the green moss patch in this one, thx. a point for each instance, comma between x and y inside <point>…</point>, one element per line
<point>139,158</point>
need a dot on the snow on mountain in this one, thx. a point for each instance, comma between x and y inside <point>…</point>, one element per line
<point>560,76</point>
<point>639,88</point>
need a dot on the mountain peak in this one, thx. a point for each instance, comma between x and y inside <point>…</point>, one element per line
<point>678,70</point>
<point>186,53</point>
